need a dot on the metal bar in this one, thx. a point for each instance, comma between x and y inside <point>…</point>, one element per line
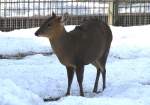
<point>31,13</point>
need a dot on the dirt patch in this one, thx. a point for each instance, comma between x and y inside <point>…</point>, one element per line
<point>22,55</point>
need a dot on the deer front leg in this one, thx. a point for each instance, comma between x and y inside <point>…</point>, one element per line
<point>80,73</point>
<point>70,74</point>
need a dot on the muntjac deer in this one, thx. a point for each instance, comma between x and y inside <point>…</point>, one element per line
<point>88,43</point>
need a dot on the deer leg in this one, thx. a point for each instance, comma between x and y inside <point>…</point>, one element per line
<point>80,73</point>
<point>96,81</point>
<point>70,74</point>
<point>104,78</point>
<point>104,68</point>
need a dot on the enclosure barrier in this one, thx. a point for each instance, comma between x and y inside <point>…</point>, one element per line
<point>18,14</point>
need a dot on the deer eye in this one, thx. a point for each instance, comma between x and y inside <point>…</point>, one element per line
<point>48,24</point>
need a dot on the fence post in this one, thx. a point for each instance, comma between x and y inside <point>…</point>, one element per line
<point>113,12</point>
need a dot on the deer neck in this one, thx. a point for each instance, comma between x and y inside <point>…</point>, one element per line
<point>59,45</point>
<point>57,33</point>
<point>55,39</point>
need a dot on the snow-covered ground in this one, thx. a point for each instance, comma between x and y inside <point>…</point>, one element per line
<point>27,81</point>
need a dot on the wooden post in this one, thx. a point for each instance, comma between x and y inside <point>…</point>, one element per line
<point>113,12</point>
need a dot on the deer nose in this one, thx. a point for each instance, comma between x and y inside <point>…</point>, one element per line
<point>36,34</point>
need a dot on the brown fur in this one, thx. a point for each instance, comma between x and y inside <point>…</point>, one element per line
<point>88,43</point>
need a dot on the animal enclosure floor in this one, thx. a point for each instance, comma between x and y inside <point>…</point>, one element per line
<point>41,76</point>
<point>27,81</point>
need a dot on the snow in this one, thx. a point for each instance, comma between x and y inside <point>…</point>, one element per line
<point>22,41</point>
<point>28,80</point>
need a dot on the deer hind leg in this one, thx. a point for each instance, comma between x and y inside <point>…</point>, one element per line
<point>70,74</point>
<point>96,81</point>
<point>103,62</point>
<point>104,77</point>
<point>100,69</point>
<point>80,74</point>
<point>97,65</point>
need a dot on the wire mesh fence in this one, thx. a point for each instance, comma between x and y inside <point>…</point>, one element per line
<point>16,14</point>
<point>133,12</point>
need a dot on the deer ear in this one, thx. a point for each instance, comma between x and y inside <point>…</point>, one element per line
<point>65,17</point>
<point>53,14</point>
